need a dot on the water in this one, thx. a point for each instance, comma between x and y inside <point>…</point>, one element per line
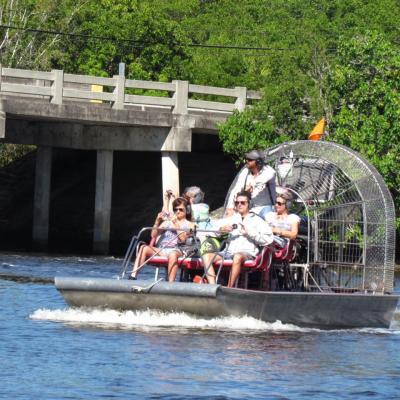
<point>49,351</point>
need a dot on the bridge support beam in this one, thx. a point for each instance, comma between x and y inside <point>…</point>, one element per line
<point>102,208</point>
<point>2,119</point>
<point>170,171</point>
<point>41,201</point>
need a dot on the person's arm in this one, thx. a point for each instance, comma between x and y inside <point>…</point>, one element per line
<point>262,180</point>
<point>158,223</point>
<point>235,190</point>
<point>292,234</point>
<point>167,201</point>
<point>183,235</point>
<point>259,232</point>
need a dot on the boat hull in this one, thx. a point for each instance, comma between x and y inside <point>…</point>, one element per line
<point>319,310</point>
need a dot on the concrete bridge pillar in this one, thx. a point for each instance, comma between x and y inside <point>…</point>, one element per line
<point>102,208</point>
<point>170,171</point>
<point>41,202</point>
<point>169,159</point>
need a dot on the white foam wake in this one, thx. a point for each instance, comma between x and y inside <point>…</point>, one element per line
<point>154,319</point>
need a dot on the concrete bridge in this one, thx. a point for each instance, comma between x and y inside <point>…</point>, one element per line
<point>55,109</point>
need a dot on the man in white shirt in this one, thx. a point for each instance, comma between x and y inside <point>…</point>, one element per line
<point>259,180</point>
<point>247,231</point>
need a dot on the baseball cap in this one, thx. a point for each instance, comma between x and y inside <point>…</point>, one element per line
<point>252,155</point>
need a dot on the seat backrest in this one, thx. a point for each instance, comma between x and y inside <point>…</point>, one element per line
<point>288,253</point>
<point>264,258</point>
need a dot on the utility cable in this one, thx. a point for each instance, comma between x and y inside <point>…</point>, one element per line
<point>141,43</point>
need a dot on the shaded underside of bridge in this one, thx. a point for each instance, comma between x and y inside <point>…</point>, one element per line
<point>126,150</point>
<point>136,194</point>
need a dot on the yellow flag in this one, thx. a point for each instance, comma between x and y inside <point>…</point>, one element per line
<point>318,131</point>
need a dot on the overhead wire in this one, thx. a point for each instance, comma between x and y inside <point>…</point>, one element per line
<point>142,43</point>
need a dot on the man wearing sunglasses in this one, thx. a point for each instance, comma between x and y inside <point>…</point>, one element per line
<point>259,180</point>
<point>247,231</point>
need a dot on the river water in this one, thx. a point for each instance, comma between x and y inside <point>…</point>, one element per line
<point>49,351</point>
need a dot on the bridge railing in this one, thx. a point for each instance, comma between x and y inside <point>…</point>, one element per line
<point>58,87</point>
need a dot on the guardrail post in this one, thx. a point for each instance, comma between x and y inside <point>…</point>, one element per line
<point>119,92</point>
<point>240,103</point>
<point>57,86</point>
<point>181,97</point>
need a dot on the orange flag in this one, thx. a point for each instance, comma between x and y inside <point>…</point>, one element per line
<point>318,131</point>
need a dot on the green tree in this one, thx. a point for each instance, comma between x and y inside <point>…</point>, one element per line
<point>364,90</point>
<point>22,44</point>
<point>242,132</point>
<point>129,31</point>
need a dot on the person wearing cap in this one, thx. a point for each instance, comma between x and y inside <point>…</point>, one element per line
<point>258,179</point>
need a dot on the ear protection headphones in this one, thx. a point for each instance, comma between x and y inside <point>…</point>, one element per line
<point>260,162</point>
<point>288,199</point>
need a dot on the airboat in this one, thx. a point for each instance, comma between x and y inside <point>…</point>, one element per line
<point>339,273</point>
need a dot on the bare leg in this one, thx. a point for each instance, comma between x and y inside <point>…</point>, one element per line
<point>209,269</point>
<point>238,260</point>
<point>173,265</point>
<point>144,253</point>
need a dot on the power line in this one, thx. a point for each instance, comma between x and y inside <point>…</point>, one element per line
<point>142,43</point>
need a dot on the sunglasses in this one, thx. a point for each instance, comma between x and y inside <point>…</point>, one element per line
<point>241,203</point>
<point>280,203</point>
<point>179,209</point>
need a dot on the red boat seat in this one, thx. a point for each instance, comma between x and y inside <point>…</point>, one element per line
<point>262,262</point>
<point>187,262</point>
<point>162,261</point>
<point>287,253</point>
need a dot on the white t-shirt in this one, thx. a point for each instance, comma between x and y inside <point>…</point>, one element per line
<point>263,186</point>
<point>284,224</point>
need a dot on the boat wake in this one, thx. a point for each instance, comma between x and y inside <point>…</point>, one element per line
<point>155,320</point>
<point>152,320</point>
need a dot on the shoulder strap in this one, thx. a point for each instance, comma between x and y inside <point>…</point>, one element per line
<point>270,193</point>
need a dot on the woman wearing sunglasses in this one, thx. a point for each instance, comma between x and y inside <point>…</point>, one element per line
<point>283,224</point>
<point>173,232</point>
